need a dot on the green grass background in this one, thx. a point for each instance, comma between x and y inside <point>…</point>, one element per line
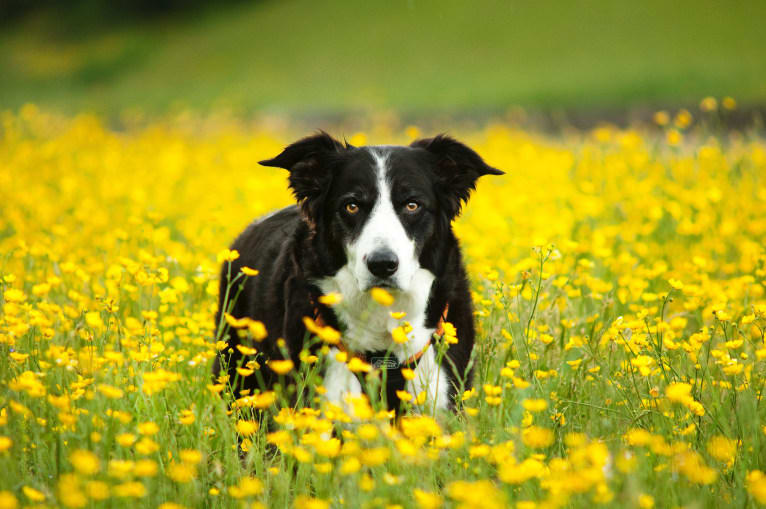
<point>417,56</point>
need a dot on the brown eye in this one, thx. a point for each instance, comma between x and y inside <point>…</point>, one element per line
<point>352,208</point>
<point>412,206</point>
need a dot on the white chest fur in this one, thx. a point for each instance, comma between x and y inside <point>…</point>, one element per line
<point>368,326</point>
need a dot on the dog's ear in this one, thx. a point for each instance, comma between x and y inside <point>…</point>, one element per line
<point>307,161</point>
<point>458,169</point>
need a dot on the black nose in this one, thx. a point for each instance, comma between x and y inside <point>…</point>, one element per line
<point>383,263</point>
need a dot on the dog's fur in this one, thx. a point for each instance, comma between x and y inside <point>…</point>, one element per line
<point>366,217</point>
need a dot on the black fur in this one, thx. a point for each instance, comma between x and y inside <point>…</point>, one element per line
<point>304,243</point>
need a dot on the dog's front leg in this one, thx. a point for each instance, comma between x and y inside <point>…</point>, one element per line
<point>431,378</point>
<point>339,381</point>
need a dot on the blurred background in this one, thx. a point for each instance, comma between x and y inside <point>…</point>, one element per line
<point>550,62</point>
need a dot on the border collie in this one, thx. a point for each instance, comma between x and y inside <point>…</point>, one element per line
<point>372,216</point>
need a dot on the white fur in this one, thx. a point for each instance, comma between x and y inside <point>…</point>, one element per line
<point>432,379</point>
<point>368,325</point>
<point>339,380</point>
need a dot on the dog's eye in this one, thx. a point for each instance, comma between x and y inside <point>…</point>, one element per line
<point>412,206</point>
<point>352,208</point>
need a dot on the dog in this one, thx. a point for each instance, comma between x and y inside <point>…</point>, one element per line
<point>366,217</point>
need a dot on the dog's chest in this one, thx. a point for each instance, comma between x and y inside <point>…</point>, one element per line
<point>368,325</point>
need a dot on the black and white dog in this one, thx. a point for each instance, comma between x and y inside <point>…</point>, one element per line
<point>373,216</point>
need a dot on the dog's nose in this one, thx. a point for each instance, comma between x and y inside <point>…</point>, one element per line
<point>383,263</point>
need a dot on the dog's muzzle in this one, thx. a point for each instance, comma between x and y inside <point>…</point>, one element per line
<point>382,263</point>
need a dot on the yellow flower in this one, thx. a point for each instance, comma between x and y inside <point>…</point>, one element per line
<point>148,428</point>
<point>181,472</point>
<point>678,392</point>
<point>709,104</point>
<point>723,449</point>
<point>32,494</point>
<point>534,405</point>
<point>645,501</point>
<point>19,357</point>
<point>5,443</point>
<point>638,436</point>
<point>404,395</point>
<point>126,439</point>
<point>366,483</point>
<point>756,485</point>
<point>110,391</point>
<point>69,492</point>
<point>325,333</point>
<point>306,502</point>
<point>257,330</point>
<point>328,448</point>
<point>190,456</point>
<point>227,255</point>
<point>147,446</point>
<point>14,295</point>
<point>537,437</point>
<point>644,363</point>
<point>97,490</point>
<point>330,299</point>
<point>513,473</point>
<point>281,367</point>
<point>246,487</point>
<point>145,468</point>
<point>170,505</point>
<point>120,469</point>
<point>85,462</point>
<point>374,457</point>
<point>399,335</point>
<point>8,500</point>
<point>246,350</point>
<point>247,428</point>
<point>475,494</point>
<point>248,271</point>
<point>427,499</point>
<point>186,417</point>
<point>357,365</point>
<point>133,489</point>
<point>93,319</point>
<point>350,466</point>
<point>367,432</point>
<point>381,296</point>
<point>673,137</point>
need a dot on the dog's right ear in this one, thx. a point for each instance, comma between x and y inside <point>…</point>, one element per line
<point>306,161</point>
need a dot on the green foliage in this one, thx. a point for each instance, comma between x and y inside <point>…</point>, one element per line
<point>416,56</point>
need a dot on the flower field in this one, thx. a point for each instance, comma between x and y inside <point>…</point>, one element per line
<point>619,282</point>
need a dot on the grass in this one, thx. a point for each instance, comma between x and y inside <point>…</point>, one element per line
<point>413,56</point>
<point>620,293</point>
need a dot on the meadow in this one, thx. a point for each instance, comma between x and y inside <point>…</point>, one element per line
<point>619,281</point>
<point>422,57</point>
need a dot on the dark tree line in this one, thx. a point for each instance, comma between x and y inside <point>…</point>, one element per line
<point>102,12</point>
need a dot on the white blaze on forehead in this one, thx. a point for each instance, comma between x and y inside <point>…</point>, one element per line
<point>383,230</point>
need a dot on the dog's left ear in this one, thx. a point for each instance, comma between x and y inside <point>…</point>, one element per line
<point>458,169</point>
<point>307,161</point>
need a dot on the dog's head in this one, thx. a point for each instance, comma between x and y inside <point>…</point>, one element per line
<point>374,209</point>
